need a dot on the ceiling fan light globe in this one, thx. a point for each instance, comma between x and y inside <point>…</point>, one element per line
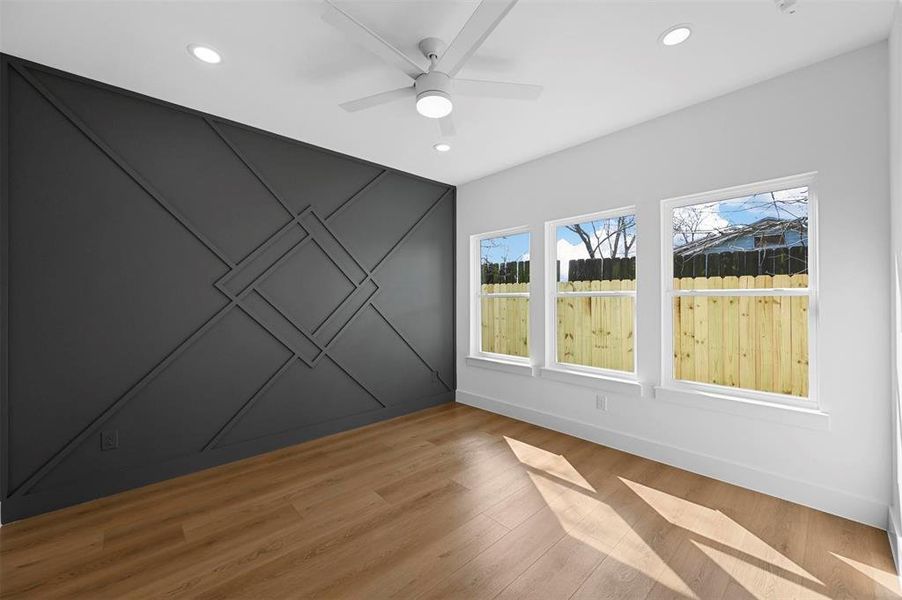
<point>434,104</point>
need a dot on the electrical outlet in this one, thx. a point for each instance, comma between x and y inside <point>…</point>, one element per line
<point>109,440</point>
<point>601,402</point>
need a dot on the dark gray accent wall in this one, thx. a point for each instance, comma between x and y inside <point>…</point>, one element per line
<point>201,289</point>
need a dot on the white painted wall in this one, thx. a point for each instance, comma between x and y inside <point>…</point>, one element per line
<point>895,121</point>
<point>831,117</point>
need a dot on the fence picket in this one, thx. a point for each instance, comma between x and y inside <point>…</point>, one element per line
<point>782,335</point>
<point>731,349</point>
<point>591,322</point>
<point>687,330</point>
<point>764,320</point>
<point>616,328</point>
<point>628,320</point>
<point>677,337</point>
<point>700,327</point>
<point>566,351</point>
<point>799,308</point>
<point>715,333</point>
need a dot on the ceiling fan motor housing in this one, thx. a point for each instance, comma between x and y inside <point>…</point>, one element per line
<point>433,83</point>
<point>433,97</point>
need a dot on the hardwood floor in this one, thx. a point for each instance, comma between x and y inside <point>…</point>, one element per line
<point>451,502</point>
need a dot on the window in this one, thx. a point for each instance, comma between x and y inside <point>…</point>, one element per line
<point>501,306</point>
<point>738,307</point>
<point>765,240</point>
<point>592,284</point>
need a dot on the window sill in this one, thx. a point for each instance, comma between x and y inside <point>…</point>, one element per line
<point>809,418</point>
<point>616,385</point>
<point>499,364</point>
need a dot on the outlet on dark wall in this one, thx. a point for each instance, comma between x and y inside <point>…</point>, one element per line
<point>109,440</point>
<point>199,290</point>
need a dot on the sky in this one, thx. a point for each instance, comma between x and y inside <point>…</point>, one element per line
<point>785,204</point>
<point>516,247</point>
<point>571,247</point>
<point>506,248</point>
<point>716,215</point>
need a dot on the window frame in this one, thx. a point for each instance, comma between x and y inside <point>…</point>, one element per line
<point>552,295</point>
<point>476,296</point>
<point>668,381</point>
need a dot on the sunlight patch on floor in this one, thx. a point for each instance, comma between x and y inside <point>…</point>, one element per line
<point>634,551</point>
<point>543,460</point>
<point>674,509</point>
<point>754,575</point>
<point>888,580</point>
<point>719,529</point>
<point>587,518</point>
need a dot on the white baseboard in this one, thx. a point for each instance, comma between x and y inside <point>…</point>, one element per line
<point>830,500</point>
<point>895,543</point>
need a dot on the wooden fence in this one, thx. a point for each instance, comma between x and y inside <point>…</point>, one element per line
<point>770,261</point>
<point>505,321</point>
<point>509,272</point>
<point>589,269</point>
<point>596,331</point>
<point>599,269</point>
<point>752,342</point>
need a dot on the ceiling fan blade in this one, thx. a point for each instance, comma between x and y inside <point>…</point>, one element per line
<point>446,125</point>
<point>377,99</point>
<point>496,89</point>
<point>478,27</point>
<point>365,37</point>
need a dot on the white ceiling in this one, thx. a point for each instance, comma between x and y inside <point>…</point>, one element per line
<point>285,70</point>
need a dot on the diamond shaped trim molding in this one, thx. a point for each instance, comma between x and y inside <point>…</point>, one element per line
<point>300,240</point>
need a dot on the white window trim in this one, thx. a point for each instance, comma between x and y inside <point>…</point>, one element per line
<point>619,385</point>
<point>553,368</point>
<point>505,362</point>
<point>501,362</point>
<point>783,414</point>
<point>705,390</point>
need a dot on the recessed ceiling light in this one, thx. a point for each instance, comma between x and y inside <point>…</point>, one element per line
<point>205,54</point>
<point>434,104</point>
<point>442,147</point>
<point>675,35</point>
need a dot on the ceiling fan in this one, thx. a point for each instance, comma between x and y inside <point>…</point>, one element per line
<point>434,85</point>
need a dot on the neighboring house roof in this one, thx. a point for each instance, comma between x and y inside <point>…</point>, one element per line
<point>763,227</point>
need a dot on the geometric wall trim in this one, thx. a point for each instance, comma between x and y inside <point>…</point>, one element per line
<point>203,289</point>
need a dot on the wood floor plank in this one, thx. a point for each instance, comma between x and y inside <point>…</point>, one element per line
<point>410,575</point>
<point>491,571</point>
<point>830,564</point>
<point>704,531</point>
<point>640,559</point>
<point>363,440</point>
<point>530,499</point>
<point>567,564</point>
<point>319,522</point>
<point>325,561</point>
<point>449,502</point>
